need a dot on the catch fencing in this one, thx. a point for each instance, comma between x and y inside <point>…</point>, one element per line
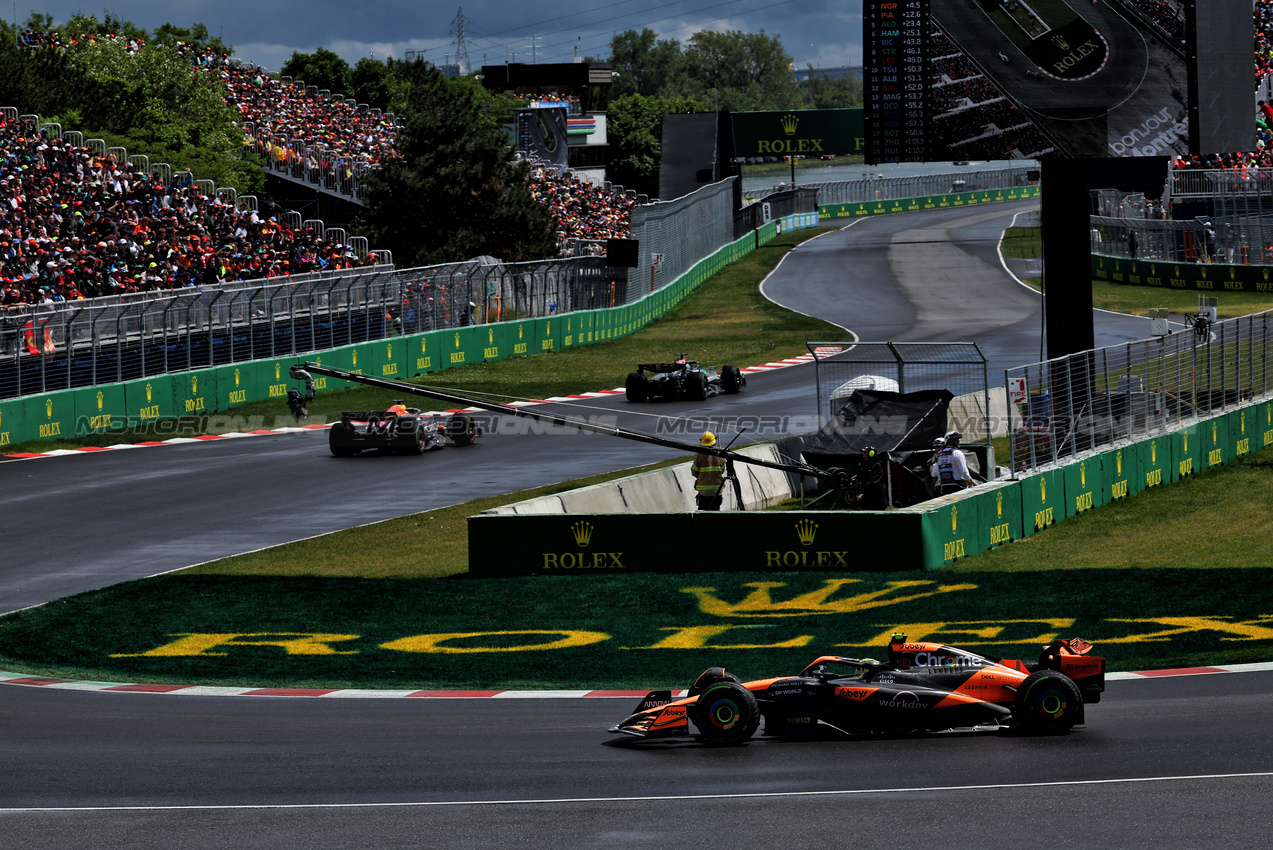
<point>907,367</point>
<point>73,344</point>
<point>1119,394</point>
<point>883,188</point>
<point>674,235</point>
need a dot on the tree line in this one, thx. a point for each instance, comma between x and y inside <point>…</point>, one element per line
<point>452,191</point>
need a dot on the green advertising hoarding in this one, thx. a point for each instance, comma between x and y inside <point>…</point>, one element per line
<point>235,384</point>
<point>1042,500</point>
<point>1216,447</point>
<point>1186,452</point>
<point>13,421</point>
<point>421,354</point>
<point>1154,461</point>
<point>1264,425</point>
<point>1244,431</point>
<point>194,393</point>
<point>1120,470</point>
<point>99,409</point>
<point>1084,488</point>
<point>148,400</point>
<point>802,132</point>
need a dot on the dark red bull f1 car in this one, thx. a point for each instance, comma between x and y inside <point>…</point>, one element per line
<point>406,430</point>
<point>923,687</point>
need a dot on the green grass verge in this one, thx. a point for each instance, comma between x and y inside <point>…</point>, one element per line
<point>726,320</point>
<point>1027,243</point>
<point>632,631</point>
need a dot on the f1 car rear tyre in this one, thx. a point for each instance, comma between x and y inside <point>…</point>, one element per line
<point>460,430</point>
<point>731,379</point>
<point>421,440</point>
<point>1048,703</point>
<point>636,387</point>
<point>726,714</point>
<point>338,440</point>
<point>696,386</point>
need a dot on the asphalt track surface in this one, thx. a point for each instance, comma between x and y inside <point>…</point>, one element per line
<point>1163,762</point>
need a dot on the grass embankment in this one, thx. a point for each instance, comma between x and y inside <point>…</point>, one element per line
<point>726,320</point>
<point>629,631</point>
<point>1027,243</point>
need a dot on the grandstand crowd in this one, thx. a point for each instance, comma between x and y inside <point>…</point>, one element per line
<point>581,210</point>
<point>75,224</point>
<point>1261,155</point>
<point>970,109</point>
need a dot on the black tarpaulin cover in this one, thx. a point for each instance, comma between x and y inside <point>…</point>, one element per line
<point>888,422</point>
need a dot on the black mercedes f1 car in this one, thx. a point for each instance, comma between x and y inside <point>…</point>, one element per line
<point>923,687</point>
<point>684,379</point>
<point>405,430</point>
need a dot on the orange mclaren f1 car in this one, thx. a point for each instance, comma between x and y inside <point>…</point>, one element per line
<point>924,687</point>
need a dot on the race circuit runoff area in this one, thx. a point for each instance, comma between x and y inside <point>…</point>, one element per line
<point>303,636</point>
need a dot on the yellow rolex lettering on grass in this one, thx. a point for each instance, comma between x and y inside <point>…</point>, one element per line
<point>759,603</point>
<point>1261,628</point>
<point>697,637</point>
<point>446,643</point>
<point>293,643</point>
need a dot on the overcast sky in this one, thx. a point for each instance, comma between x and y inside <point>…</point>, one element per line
<point>818,32</point>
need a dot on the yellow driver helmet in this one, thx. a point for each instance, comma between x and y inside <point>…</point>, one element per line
<point>709,439</point>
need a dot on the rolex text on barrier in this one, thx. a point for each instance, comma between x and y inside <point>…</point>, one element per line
<point>1042,500</point>
<point>1208,277</point>
<point>1153,461</point>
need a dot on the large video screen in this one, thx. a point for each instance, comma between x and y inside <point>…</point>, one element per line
<point>1032,79</point>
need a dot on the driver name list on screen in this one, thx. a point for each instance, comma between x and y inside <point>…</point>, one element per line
<point>896,79</point>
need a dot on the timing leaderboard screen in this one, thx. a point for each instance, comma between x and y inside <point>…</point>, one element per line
<point>959,80</point>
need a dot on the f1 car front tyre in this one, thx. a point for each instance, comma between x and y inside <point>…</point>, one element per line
<point>1048,703</point>
<point>696,386</point>
<point>339,439</point>
<point>731,380</point>
<point>636,387</point>
<point>726,714</point>
<point>461,430</point>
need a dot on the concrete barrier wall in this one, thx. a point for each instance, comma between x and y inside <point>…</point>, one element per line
<point>667,490</point>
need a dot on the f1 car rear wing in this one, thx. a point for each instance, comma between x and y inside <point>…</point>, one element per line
<point>837,478</point>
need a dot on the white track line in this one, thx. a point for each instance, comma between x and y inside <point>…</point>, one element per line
<point>669,798</point>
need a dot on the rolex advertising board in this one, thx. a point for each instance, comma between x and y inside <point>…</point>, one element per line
<point>564,544</point>
<point>13,422</point>
<point>1154,462</point>
<point>1242,431</point>
<point>149,400</point>
<point>195,393</point>
<point>1264,424</point>
<point>1083,486</point>
<point>1186,452</point>
<point>1216,448</point>
<point>50,416</point>
<point>1042,500</point>
<point>99,409</point>
<point>799,132</point>
<point>783,540</point>
<point>1121,473</point>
